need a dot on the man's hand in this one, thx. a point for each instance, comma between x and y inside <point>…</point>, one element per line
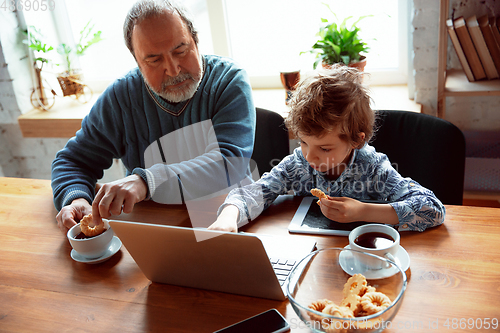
<point>227,220</point>
<point>118,196</point>
<point>72,214</point>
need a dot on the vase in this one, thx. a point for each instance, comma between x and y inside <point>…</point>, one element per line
<point>289,81</point>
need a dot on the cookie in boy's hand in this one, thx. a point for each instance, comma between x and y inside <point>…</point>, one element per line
<point>318,193</point>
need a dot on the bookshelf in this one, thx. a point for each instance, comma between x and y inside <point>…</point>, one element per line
<point>453,82</point>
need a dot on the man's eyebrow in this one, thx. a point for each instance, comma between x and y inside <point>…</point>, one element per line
<point>154,55</point>
<point>180,45</point>
<point>149,56</point>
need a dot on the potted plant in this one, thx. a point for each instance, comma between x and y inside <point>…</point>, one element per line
<point>340,43</point>
<point>71,80</point>
<point>35,41</point>
<point>41,97</point>
<point>86,40</point>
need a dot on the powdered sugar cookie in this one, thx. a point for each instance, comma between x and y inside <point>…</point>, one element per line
<point>356,285</point>
<point>374,302</point>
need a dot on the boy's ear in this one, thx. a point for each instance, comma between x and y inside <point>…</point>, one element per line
<point>361,140</point>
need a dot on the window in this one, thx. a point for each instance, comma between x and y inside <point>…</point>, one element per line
<point>269,36</point>
<point>265,36</point>
<point>110,58</point>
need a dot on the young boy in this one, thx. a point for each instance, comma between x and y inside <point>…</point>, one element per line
<point>330,113</point>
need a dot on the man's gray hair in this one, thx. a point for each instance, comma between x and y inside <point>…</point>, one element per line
<point>144,9</point>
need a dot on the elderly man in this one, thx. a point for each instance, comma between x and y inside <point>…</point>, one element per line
<point>181,122</point>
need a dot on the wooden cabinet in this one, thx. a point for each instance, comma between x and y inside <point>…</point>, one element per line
<point>453,82</point>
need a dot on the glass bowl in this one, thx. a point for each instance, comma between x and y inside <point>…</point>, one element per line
<point>324,276</point>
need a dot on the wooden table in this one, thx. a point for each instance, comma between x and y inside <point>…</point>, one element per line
<point>454,274</point>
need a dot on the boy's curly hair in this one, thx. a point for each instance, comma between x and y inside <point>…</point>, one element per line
<point>330,98</point>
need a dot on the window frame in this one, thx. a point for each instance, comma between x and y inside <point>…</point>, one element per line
<point>222,46</point>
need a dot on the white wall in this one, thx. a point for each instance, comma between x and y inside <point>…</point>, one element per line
<point>23,157</point>
<point>19,157</point>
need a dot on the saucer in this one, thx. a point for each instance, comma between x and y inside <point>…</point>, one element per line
<point>351,266</point>
<point>115,245</point>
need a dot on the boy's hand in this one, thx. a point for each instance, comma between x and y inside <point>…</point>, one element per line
<point>227,220</point>
<point>342,209</point>
<point>346,210</point>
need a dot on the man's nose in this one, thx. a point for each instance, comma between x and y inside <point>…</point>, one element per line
<point>172,67</point>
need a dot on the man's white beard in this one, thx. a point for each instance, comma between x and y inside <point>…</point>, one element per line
<point>182,94</point>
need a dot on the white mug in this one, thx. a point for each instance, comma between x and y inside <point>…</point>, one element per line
<point>389,251</point>
<point>91,248</point>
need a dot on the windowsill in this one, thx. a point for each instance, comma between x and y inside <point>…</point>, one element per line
<point>65,117</point>
<point>61,121</point>
<point>393,97</point>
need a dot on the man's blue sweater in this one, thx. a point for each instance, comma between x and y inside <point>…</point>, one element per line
<point>128,117</point>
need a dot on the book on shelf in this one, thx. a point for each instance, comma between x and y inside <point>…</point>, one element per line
<point>481,48</point>
<point>494,22</point>
<point>460,52</point>
<point>489,38</point>
<point>468,48</point>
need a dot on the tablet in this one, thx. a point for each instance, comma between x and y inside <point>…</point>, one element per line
<point>310,220</point>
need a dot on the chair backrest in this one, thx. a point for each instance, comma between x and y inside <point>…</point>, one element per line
<point>427,149</point>
<point>271,140</point>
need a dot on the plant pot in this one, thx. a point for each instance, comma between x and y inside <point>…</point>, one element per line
<point>359,65</point>
<point>71,84</point>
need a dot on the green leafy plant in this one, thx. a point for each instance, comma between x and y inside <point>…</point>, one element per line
<point>65,51</point>
<point>86,40</point>
<point>339,43</point>
<point>35,41</point>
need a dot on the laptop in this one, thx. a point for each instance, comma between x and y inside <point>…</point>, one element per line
<point>237,263</point>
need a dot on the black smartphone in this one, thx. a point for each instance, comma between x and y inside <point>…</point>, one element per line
<point>270,321</point>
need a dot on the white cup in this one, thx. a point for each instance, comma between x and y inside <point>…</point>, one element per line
<point>388,251</point>
<point>91,248</point>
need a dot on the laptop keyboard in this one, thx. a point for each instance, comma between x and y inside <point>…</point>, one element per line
<point>282,268</point>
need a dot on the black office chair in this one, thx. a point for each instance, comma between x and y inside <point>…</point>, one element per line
<point>271,140</point>
<point>427,149</point>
